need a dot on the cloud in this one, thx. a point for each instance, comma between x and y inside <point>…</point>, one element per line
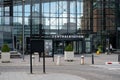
<point>62,19</point>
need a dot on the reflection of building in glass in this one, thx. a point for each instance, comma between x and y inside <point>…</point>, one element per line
<point>60,17</point>
<point>71,29</point>
<point>107,13</point>
<point>85,19</point>
<point>36,18</point>
<point>98,15</point>
<point>5,35</point>
<point>5,26</point>
<point>103,15</point>
<point>104,21</point>
<point>36,21</point>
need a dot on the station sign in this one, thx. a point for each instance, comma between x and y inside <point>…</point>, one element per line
<point>59,36</point>
<point>66,36</point>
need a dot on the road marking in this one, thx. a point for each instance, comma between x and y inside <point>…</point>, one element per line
<point>109,67</point>
<point>114,69</point>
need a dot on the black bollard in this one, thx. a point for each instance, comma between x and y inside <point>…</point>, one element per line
<point>44,63</point>
<point>92,59</point>
<point>31,63</point>
<point>118,57</point>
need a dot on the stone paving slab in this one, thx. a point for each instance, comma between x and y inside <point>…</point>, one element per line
<point>109,67</point>
<point>27,76</point>
<point>98,59</point>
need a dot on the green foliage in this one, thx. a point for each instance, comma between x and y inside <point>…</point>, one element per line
<point>5,48</point>
<point>69,47</point>
<point>100,48</point>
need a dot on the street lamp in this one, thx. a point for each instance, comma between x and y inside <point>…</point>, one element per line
<point>23,1</point>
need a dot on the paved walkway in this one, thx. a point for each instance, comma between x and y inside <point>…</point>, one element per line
<point>27,76</point>
<point>99,59</point>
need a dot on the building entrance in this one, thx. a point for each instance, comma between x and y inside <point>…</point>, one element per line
<point>59,46</point>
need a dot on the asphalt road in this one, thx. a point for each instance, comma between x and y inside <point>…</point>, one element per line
<point>89,72</point>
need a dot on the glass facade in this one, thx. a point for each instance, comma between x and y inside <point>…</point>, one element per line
<point>61,18</point>
<point>105,14</point>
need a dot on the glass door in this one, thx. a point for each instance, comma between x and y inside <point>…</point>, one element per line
<point>58,47</point>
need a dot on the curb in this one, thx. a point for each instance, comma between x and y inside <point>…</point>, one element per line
<point>112,63</point>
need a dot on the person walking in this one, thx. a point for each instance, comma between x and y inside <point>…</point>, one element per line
<point>107,50</point>
<point>111,48</point>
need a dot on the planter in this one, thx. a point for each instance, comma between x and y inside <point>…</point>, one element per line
<point>5,57</point>
<point>69,55</point>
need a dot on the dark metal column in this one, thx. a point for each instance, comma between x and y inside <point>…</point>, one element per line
<point>117,20</point>
<point>117,24</point>
<point>76,15</point>
<point>41,25</point>
<point>91,26</point>
<point>104,15</point>
<point>44,63</point>
<point>11,21</point>
<point>58,17</point>
<point>103,22</point>
<point>30,36</point>
<point>11,12</point>
<point>91,15</point>
<point>41,33</point>
<point>68,16</point>
<point>53,42</point>
<point>23,12</point>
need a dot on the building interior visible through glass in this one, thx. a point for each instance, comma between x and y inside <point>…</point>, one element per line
<point>87,24</point>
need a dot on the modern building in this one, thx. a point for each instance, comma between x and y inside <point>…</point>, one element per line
<point>99,18</point>
<point>84,23</point>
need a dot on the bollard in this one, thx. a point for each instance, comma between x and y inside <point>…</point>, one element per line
<point>92,59</point>
<point>58,60</point>
<point>118,57</point>
<point>33,59</point>
<point>82,59</point>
